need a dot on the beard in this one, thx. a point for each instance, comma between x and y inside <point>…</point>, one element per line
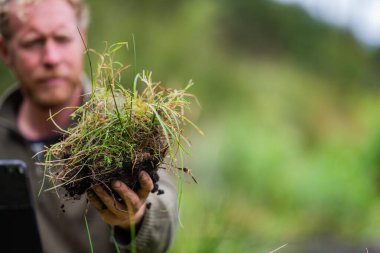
<point>51,92</point>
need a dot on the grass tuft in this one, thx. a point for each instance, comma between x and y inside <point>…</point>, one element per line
<point>118,131</point>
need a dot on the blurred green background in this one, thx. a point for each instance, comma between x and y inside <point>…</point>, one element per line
<point>290,111</point>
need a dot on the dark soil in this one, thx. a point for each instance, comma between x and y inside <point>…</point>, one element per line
<point>128,174</point>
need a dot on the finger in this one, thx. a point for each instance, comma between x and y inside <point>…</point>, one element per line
<point>105,213</point>
<point>108,200</point>
<point>131,199</point>
<point>95,201</point>
<point>146,185</point>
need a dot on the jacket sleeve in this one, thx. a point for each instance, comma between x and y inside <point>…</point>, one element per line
<point>157,230</point>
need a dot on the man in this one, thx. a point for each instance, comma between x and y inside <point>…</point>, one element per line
<point>41,44</point>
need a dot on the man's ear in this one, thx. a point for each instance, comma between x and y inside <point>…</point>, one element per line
<point>4,52</point>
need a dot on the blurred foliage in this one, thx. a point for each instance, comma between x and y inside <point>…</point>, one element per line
<point>290,111</point>
<point>268,28</point>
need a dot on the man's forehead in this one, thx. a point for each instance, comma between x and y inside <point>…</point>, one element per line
<point>23,10</point>
<point>48,17</point>
<point>9,4</point>
<point>19,8</point>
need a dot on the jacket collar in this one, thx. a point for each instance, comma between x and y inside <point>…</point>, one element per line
<point>11,101</point>
<point>9,107</point>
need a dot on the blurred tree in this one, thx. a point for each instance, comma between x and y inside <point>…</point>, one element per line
<point>265,27</point>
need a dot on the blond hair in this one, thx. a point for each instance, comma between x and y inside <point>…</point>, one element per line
<point>6,32</point>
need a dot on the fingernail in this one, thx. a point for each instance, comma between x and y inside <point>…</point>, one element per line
<point>116,184</point>
<point>142,175</point>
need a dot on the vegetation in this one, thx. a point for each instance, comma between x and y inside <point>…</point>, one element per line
<point>119,132</point>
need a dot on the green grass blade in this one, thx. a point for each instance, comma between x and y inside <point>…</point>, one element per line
<point>115,244</point>
<point>134,54</point>
<point>88,234</point>
<point>180,197</point>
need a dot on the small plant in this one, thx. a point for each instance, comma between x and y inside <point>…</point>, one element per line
<point>119,132</point>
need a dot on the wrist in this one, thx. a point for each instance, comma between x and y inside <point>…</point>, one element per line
<point>134,221</point>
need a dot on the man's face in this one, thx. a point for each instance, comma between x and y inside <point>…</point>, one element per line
<point>45,51</point>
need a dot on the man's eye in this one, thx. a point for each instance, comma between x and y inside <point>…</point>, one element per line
<point>62,39</point>
<point>32,43</point>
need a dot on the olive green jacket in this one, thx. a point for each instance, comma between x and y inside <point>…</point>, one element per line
<point>65,231</point>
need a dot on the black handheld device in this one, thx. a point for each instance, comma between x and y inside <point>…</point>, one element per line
<point>17,216</point>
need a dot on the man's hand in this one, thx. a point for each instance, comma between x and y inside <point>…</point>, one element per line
<point>123,214</point>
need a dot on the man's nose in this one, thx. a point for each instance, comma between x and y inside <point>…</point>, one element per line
<point>51,54</point>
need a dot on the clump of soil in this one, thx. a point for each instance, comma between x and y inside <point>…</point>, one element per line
<point>127,174</point>
<point>118,133</point>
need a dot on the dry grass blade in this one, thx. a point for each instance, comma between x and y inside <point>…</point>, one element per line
<point>278,248</point>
